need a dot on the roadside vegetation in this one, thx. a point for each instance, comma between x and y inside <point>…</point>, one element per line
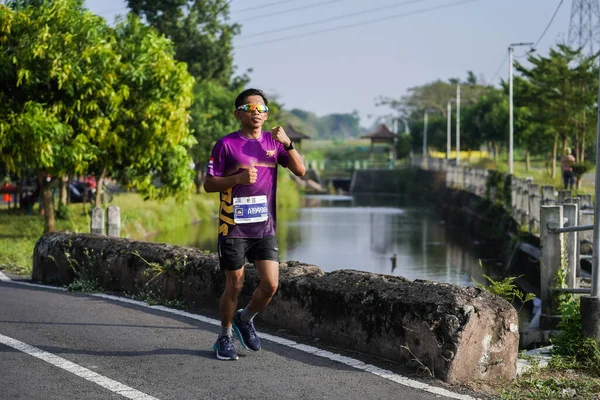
<point>572,372</point>
<point>140,219</point>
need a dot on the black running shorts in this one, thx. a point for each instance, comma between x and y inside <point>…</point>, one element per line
<point>233,252</point>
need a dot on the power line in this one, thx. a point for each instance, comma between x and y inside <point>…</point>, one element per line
<point>368,11</point>
<point>549,23</point>
<point>358,23</point>
<point>499,68</point>
<point>263,5</point>
<point>289,10</point>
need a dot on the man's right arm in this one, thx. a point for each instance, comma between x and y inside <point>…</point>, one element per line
<point>223,183</point>
<point>220,183</point>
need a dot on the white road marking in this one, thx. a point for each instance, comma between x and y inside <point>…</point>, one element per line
<point>78,370</point>
<point>4,278</point>
<point>351,362</point>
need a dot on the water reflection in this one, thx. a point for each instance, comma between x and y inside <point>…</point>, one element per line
<point>382,234</point>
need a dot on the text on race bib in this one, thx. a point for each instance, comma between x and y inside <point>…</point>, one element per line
<point>247,210</point>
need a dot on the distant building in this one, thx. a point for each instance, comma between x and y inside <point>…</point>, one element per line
<point>382,134</point>
<point>295,135</point>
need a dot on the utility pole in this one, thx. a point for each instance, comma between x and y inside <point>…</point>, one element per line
<point>458,123</point>
<point>449,129</point>
<point>590,305</point>
<point>425,135</point>
<point>510,103</point>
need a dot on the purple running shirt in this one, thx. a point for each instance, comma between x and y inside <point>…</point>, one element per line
<point>248,211</point>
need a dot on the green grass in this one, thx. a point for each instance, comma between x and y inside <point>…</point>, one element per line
<point>139,219</point>
<point>539,171</point>
<point>348,149</point>
<point>552,383</point>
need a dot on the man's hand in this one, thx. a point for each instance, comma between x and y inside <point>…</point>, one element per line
<point>280,135</point>
<point>248,176</point>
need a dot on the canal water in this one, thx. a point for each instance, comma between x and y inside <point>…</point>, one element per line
<point>381,234</point>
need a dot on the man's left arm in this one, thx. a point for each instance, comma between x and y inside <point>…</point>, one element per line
<point>295,162</point>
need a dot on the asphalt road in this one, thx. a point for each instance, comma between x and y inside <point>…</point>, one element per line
<point>60,345</point>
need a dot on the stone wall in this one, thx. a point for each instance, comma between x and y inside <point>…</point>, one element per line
<point>461,334</point>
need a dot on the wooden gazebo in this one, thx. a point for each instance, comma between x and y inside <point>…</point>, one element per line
<point>382,134</point>
<point>295,135</point>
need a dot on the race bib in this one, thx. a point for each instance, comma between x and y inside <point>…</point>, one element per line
<point>247,210</point>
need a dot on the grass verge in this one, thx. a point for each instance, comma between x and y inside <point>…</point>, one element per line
<point>139,219</point>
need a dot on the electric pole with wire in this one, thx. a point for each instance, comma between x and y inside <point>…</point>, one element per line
<point>584,26</point>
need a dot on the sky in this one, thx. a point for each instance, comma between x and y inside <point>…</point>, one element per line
<point>357,61</point>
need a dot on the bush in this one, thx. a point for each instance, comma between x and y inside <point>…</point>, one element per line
<point>63,212</point>
<point>581,168</point>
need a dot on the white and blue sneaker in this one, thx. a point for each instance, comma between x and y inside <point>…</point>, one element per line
<point>225,349</point>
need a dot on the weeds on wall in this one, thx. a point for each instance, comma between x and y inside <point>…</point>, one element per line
<point>505,288</point>
<point>87,279</point>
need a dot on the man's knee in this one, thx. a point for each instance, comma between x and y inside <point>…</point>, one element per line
<point>269,287</point>
<point>234,285</point>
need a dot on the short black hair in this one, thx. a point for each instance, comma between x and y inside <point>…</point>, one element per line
<point>240,100</point>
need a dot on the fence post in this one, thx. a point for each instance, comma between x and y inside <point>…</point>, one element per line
<point>570,215</point>
<point>547,195</point>
<point>551,244</point>
<point>534,207</point>
<point>114,221</point>
<point>563,195</point>
<point>577,202</point>
<point>586,201</point>
<point>524,206</point>
<point>483,180</point>
<point>97,227</point>
<point>586,217</point>
<point>514,192</point>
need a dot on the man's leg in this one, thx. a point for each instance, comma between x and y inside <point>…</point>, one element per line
<point>265,255</point>
<point>243,324</point>
<point>228,302</point>
<point>224,347</point>
<point>268,271</point>
<point>231,260</point>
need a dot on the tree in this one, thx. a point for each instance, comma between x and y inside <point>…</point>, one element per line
<point>199,30</point>
<point>339,126</point>
<point>78,96</point>
<point>150,137</point>
<point>212,118</point>
<point>56,72</point>
<point>562,92</point>
<point>434,95</point>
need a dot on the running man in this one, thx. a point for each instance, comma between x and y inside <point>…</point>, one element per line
<point>243,168</point>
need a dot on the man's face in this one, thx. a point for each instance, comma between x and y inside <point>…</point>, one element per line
<point>252,119</point>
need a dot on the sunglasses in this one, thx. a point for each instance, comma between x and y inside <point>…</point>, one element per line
<point>251,107</point>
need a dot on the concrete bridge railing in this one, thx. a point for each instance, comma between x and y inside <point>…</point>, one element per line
<point>563,223</point>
